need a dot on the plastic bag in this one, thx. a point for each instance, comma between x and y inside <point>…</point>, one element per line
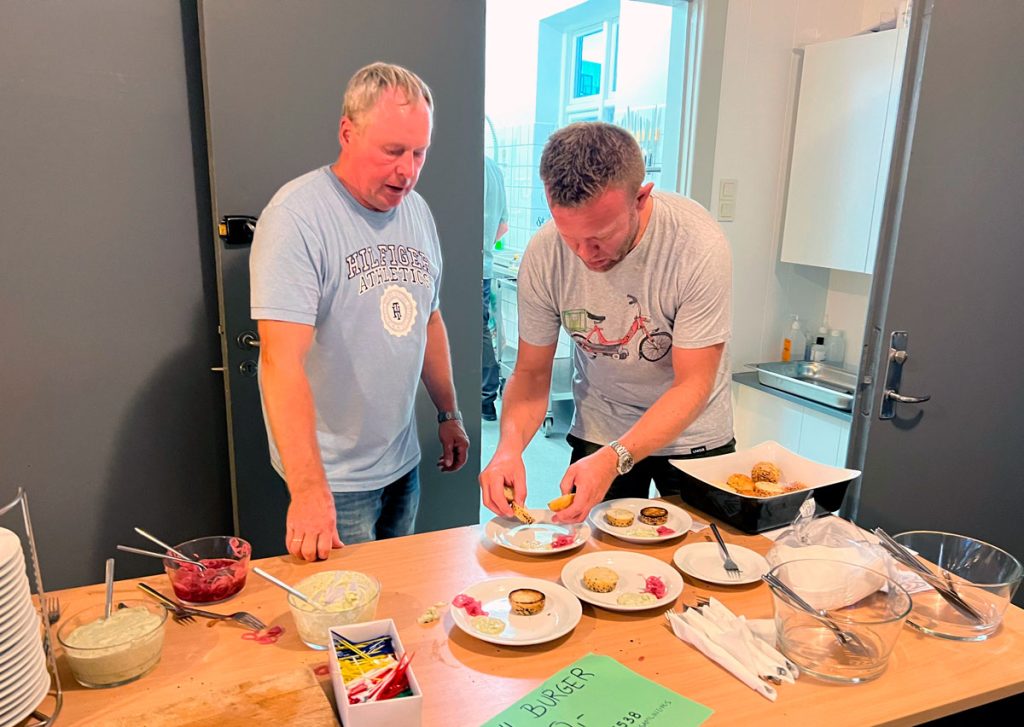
<point>829,539</point>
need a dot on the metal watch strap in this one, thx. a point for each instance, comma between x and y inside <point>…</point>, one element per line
<point>626,461</point>
<point>447,416</point>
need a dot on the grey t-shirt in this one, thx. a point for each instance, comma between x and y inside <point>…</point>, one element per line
<point>673,289</point>
<point>367,281</point>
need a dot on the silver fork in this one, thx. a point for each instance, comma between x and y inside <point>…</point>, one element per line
<point>178,612</point>
<point>185,613</point>
<point>53,609</point>
<point>731,569</point>
<point>243,617</point>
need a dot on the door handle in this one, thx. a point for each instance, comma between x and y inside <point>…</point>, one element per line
<point>893,377</point>
<point>890,394</point>
<point>248,340</point>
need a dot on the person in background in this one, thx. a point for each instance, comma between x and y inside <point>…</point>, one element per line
<point>652,272</point>
<point>346,272</point>
<point>495,227</point>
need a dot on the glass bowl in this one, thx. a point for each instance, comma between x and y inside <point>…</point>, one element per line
<point>227,563</point>
<point>984,576</point>
<point>873,610</point>
<point>108,653</point>
<point>342,597</point>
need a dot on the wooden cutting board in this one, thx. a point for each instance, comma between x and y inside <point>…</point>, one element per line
<point>294,698</point>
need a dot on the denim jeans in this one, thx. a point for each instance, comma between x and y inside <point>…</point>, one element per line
<point>389,512</point>
<point>488,363</point>
<point>669,479</point>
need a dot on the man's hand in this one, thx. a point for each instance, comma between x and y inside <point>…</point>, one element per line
<point>591,476</point>
<point>504,469</point>
<point>312,525</point>
<point>454,445</point>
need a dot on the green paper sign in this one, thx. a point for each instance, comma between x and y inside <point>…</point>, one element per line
<point>598,691</point>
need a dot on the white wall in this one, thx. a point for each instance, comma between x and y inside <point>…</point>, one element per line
<point>847,309</point>
<point>759,82</point>
<point>510,88</point>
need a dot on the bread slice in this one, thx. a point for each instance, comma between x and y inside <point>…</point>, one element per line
<point>526,601</point>
<point>518,510</point>
<point>600,579</point>
<point>619,517</point>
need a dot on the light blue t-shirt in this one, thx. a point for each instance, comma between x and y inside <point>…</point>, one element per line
<point>367,281</point>
<point>495,211</point>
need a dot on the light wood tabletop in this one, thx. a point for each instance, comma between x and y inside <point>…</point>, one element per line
<point>466,681</point>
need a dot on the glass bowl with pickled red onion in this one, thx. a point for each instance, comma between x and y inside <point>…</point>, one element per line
<point>227,563</point>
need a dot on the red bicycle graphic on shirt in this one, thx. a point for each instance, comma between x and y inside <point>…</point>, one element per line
<point>654,345</point>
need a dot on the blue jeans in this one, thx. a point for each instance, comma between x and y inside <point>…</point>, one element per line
<point>389,512</point>
<point>488,363</point>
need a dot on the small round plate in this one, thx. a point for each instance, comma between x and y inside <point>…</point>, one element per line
<point>561,613</point>
<point>633,570</point>
<point>535,539</point>
<point>704,561</point>
<point>678,520</point>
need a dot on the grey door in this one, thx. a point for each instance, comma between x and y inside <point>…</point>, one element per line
<point>274,76</point>
<point>953,249</point>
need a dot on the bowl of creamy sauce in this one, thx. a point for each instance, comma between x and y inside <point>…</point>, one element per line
<point>339,597</point>
<point>108,652</point>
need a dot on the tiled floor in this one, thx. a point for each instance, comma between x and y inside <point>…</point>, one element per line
<point>545,458</point>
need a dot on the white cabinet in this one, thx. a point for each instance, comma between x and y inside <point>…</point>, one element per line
<point>759,416</point>
<point>842,144</point>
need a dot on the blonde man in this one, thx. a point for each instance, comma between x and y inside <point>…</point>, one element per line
<point>642,282</point>
<point>346,272</point>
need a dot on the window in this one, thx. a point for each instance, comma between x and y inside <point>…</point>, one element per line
<point>588,63</point>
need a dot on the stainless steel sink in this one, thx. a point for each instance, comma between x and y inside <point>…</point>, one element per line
<point>825,384</point>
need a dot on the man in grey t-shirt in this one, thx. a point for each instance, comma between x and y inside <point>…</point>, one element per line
<point>346,272</point>
<point>641,281</point>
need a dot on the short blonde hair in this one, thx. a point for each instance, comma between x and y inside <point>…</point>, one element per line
<point>369,82</point>
<point>582,160</point>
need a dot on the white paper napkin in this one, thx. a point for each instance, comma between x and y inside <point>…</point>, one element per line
<point>728,640</point>
<point>717,654</point>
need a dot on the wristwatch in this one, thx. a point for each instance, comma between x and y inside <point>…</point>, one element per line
<point>447,416</point>
<point>625,463</point>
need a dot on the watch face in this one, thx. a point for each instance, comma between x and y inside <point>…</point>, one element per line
<point>625,464</point>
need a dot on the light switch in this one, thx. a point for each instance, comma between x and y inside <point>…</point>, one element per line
<point>727,189</point>
<point>726,210</point>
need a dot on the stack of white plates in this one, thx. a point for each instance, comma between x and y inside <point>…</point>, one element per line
<point>24,680</point>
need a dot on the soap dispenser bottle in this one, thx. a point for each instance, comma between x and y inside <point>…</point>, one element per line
<point>794,342</point>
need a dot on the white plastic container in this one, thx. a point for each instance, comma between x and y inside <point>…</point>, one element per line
<point>397,712</point>
<point>835,347</point>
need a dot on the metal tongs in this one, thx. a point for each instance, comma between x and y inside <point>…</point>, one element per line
<point>942,584</point>
<point>846,639</point>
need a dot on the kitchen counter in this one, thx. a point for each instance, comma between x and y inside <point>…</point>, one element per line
<point>466,681</point>
<point>749,378</point>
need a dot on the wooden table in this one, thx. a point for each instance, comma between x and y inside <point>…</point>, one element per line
<point>466,681</point>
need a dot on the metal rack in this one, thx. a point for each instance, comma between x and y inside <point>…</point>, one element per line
<point>508,341</point>
<point>39,717</point>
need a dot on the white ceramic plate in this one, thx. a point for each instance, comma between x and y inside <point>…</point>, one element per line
<point>633,570</point>
<point>716,470</point>
<point>534,539</point>
<point>704,561</point>
<point>561,613</point>
<point>10,547</point>
<point>14,629</point>
<point>15,709</point>
<point>678,519</point>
